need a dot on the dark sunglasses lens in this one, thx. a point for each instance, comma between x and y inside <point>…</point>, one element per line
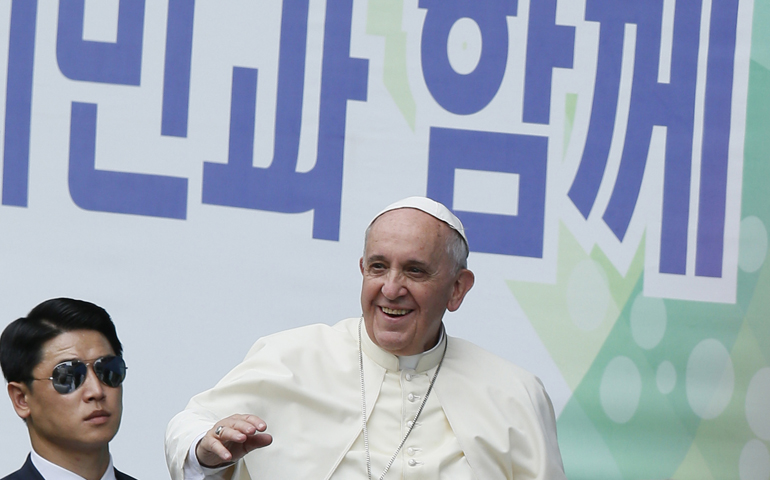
<point>110,370</point>
<point>68,376</point>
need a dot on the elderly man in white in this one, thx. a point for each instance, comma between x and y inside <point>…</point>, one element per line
<point>386,395</point>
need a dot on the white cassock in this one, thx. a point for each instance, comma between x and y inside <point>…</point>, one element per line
<point>485,418</point>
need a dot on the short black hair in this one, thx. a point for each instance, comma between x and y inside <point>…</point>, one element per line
<point>22,340</point>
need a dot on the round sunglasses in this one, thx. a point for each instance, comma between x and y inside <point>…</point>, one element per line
<point>69,376</point>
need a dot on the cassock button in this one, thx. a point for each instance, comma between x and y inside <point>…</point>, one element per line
<point>409,424</point>
<point>410,397</point>
<point>410,451</point>
<point>412,462</point>
<point>408,377</point>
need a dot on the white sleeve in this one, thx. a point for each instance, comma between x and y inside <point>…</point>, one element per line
<point>193,470</point>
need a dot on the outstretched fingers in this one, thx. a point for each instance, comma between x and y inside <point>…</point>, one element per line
<point>231,438</point>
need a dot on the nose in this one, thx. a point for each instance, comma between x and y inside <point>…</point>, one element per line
<point>393,286</point>
<point>93,389</point>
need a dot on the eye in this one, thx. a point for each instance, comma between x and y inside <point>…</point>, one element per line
<point>415,271</point>
<point>377,267</point>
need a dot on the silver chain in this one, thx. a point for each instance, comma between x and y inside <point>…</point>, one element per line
<point>363,407</point>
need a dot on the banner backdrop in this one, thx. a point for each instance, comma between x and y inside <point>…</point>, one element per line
<point>205,171</point>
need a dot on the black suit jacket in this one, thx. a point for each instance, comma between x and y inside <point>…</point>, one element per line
<point>29,472</point>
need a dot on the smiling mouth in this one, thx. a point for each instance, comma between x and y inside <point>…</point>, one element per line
<point>394,312</point>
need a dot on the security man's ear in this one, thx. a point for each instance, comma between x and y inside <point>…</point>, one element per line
<point>18,393</point>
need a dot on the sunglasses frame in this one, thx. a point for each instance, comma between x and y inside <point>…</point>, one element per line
<point>104,376</point>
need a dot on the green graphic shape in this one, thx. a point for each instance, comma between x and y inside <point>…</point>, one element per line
<point>722,439</point>
<point>720,442</point>
<point>384,19</point>
<point>760,41</point>
<point>756,201</point>
<point>585,443</point>
<point>574,344</point>
<point>665,425</point>
<point>661,434</point>
<point>694,466</point>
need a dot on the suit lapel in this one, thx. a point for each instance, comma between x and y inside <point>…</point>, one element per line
<point>122,476</point>
<point>27,472</point>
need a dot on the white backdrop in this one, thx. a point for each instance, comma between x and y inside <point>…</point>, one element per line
<point>190,295</point>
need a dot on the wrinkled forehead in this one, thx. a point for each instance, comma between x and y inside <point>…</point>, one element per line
<point>408,232</point>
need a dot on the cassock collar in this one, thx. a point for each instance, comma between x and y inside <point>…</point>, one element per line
<point>421,362</point>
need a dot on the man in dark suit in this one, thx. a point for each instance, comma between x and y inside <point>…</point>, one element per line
<point>64,367</point>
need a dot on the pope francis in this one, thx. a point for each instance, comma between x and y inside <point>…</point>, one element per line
<point>388,395</point>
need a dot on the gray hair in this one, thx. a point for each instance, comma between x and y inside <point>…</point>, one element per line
<point>456,248</point>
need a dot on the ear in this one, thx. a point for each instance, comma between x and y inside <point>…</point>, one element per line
<point>461,286</point>
<point>18,392</point>
<point>361,265</point>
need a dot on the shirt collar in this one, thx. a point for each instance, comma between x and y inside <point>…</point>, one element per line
<point>51,471</point>
<point>421,362</point>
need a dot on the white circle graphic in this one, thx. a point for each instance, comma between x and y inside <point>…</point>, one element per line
<point>754,463</point>
<point>464,46</point>
<point>753,244</point>
<point>758,404</point>
<point>710,379</point>
<point>620,389</point>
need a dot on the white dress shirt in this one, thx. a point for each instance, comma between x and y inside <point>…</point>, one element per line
<point>51,471</point>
